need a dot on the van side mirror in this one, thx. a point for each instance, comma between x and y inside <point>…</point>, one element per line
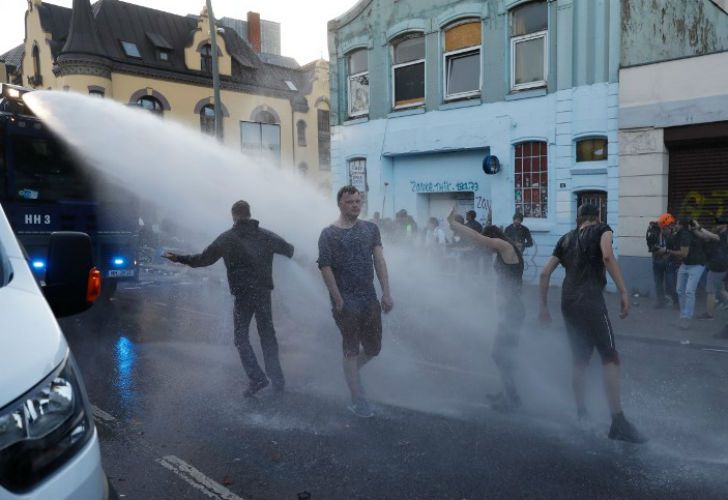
<point>72,283</point>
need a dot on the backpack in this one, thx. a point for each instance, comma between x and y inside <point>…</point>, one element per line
<point>653,237</point>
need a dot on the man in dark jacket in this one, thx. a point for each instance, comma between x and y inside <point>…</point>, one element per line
<point>248,251</point>
<point>519,234</point>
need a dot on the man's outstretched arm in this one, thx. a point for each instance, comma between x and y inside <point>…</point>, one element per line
<point>209,256</point>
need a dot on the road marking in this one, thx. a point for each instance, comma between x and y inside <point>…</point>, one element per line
<point>716,350</point>
<point>209,487</point>
<point>101,415</point>
<point>196,479</point>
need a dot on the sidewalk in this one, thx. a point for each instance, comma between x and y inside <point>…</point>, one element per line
<point>644,323</point>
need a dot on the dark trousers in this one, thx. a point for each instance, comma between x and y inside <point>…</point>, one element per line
<point>257,303</point>
<point>665,274</point>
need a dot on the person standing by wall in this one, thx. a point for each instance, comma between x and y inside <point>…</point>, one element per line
<point>716,247</point>
<point>660,238</point>
<point>471,222</point>
<point>518,233</point>
<point>691,270</point>
<point>248,251</point>
<point>350,251</point>
<point>586,254</point>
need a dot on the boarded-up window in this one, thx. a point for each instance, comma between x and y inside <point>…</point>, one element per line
<point>462,36</point>
<point>462,60</point>
<point>358,83</point>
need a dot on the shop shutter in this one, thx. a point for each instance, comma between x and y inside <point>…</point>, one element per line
<point>698,181</point>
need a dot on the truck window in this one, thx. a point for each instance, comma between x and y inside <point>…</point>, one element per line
<point>3,171</point>
<point>44,170</point>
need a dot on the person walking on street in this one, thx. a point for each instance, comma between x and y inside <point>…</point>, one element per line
<point>660,238</point>
<point>508,266</point>
<point>518,233</point>
<point>471,222</point>
<point>716,249</point>
<point>691,270</point>
<point>350,251</point>
<point>247,251</point>
<point>586,254</point>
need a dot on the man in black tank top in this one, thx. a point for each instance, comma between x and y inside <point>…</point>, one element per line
<point>586,254</point>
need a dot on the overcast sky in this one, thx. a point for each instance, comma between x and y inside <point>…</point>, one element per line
<point>303,23</point>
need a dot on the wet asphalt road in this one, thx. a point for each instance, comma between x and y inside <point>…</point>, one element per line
<point>166,384</point>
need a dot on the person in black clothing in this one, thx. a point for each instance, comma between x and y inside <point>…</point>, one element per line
<point>586,253</point>
<point>519,234</point>
<point>248,251</point>
<point>470,221</point>
<point>660,238</point>
<point>692,252</point>
<point>508,266</point>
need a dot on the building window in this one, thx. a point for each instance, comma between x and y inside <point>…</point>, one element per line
<point>261,140</point>
<point>357,169</point>
<point>164,55</point>
<point>358,71</point>
<point>593,149</point>
<point>206,59</point>
<point>301,130</point>
<point>96,93</point>
<point>462,60</point>
<point>36,62</point>
<point>324,140</point>
<point>531,171</point>
<point>408,71</point>
<point>131,49</point>
<point>151,104</point>
<point>529,47</point>
<point>207,119</point>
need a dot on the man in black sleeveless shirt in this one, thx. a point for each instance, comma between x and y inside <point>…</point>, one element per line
<point>586,254</point>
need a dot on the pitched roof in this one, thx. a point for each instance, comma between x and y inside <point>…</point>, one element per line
<point>13,58</point>
<point>83,37</point>
<point>151,29</point>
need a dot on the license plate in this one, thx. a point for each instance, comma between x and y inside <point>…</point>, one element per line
<point>123,273</point>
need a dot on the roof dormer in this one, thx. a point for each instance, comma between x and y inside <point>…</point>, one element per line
<point>198,53</point>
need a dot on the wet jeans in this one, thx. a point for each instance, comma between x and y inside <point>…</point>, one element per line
<point>688,277</point>
<point>257,303</point>
<point>665,274</point>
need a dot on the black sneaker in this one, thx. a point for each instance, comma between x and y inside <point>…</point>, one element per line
<point>361,409</point>
<point>622,430</point>
<point>255,386</point>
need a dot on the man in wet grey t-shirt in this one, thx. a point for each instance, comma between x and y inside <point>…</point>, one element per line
<point>350,250</point>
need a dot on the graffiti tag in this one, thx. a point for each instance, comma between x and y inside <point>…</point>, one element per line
<point>698,206</point>
<point>444,186</point>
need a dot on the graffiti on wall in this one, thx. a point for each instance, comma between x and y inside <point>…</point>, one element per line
<point>485,207</point>
<point>697,205</point>
<point>444,186</point>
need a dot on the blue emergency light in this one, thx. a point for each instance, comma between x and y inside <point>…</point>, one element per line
<point>38,264</point>
<point>118,261</point>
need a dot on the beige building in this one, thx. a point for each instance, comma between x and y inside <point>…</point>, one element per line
<point>160,61</point>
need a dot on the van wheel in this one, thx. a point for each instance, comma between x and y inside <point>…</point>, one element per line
<point>108,289</point>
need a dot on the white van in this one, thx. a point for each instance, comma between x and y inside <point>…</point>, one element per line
<point>49,448</point>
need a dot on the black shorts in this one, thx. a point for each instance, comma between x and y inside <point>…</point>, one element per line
<point>589,328</point>
<point>361,328</point>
